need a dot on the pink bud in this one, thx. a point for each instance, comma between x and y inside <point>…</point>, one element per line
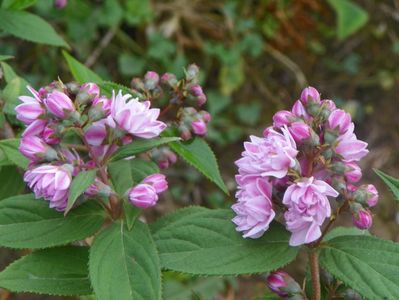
<point>36,149</point>
<point>299,110</point>
<point>199,127</point>
<point>329,104</point>
<point>60,3</point>
<point>59,104</point>
<point>283,285</point>
<point>151,80</point>
<point>339,119</point>
<point>300,131</point>
<point>50,135</point>
<point>143,195</point>
<point>372,195</point>
<point>201,100</point>
<point>92,89</point>
<point>205,116</point>
<point>169,79</point>
<point>310,93</point>
<point>196,90</point>
<point>96,133</point>
<point>35,128</point>
<point>353,172</point>
<point>157,181</point>
<point>362,219</point>
<point>282,117</point>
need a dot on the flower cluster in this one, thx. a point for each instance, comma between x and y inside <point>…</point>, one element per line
<point>73,128</point>
<point>307,158</point>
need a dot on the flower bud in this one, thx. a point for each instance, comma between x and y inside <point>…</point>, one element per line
<point>36,149</point>
<point>283,284</point>
<point>72,87</point>
<point>98,188</point>
<point>372,195</point>
<point>310,94</point>
<point>338,168</point>
<point>339,119</point>
<point>199,127</point>
<point>157,181</point>
<point>350,294</point>
<point>330,136</point>
<point>151,80</point>
<point>353,173</point>
<point>206,116</point>
<point>300,131</point>
<point>101,107</point>
<point>192,72</point>
<point>59,104</point>
<point>60,3</point>
<point>83,97</point>
<point>143,195</point>
<point>185,132</point>
<point>169,79</point>
<point>50,134</point>
<point>299,110</point>
<point>137,84</point>
<point>92,89</point>
<point>282,117</point>
<point>361,217</point>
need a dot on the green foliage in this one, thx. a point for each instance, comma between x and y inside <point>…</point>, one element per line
<point>391,182</point>
<point>139,146</point>
<point>198,154</point>
<point>17,4</point>
<point>29,223</point>
<point>11,154</point>
<point>350,17</point>
<point>79,71</point>
<point>347,231</point>
<point>29,27</point>
<point>204,288</point>
<point>11,182</point>
<point>367,264</point>
<point>201,241</point>
<point>124,264</point>
<point>79,184</point>
<point>58,271</point>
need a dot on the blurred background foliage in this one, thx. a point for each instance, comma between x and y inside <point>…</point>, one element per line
<point>255,57</point>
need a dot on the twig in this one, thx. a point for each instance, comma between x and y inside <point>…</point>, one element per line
<point>315,273</point>
<point>101,46</point>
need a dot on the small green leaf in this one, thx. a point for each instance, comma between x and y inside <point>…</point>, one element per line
<point>202,241</point>
<point>12,154</point>
<point>29,27</point>
<point>350,17</point>
<point>11,182</point>
<point>5,57</point>
<point>340,231</point>
<point>139,146</point>
<point>391,182</point>
<point>8,72</point>
<point>108,86</point>
<point>80,72</point>
<point>26,222</point>
<point>58,271</point>
<point>124,264</point>
<point>131,214</point>
<point>197,153</point>
<point>367,264</point>
<point>79,184</point>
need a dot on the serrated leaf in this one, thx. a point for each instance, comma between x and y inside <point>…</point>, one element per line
<point>140,145</point>
<point>124,264</point>
<point>345,231</point>
<point>11,182</point>
<point>131,214</point>
<point>350,17</point>
<point>29,27</point>
<point>58,271</point>
<point>108,86</point>
<point>26,222</point>
<point>391,182</point>
<point>79,184</point>
<point>367,264</point>
<point>12,154</point>
<point>80,72</point>
<point>198,154</point>
<point>202,241</point>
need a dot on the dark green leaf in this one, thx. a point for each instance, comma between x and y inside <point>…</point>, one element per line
<point>79,184</point>
<point>80,72</point>
<point>107,87</point>
<point>124,264</point>
<point>12,154</point>
<point>131,214</point>
<point>29,223</point>
<point>202,241</point>
<point>59,271</point>
<point>340,231</point>
<point>17,4</point>
<point>11,182</point>
<point>391,182</point>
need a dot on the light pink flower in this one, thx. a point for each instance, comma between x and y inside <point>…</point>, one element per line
<point>372,195</point>
<point>329,104</point>
<point>52,183</point>
<point>31,108</point>
<point>135,117</point>
<point>96,133</point>
<point>59,104</point>
<point>310,93</point>
<point>199,127</point>
<point>299,110</point>
<point>308,206</point>
<point>353,172</point>
<point>92,89</point>
<point>362,219</point>
<point>269,156</point>
<point>36,149</point>
<point>157,181</point>
<point>283,117</point>
<point>254,209</point>
<point>339,119</point>
<point>50,134</point>
<point>104,104</point>
<point>35,128</point>
<point>300,131</point>
<point>349,147</point>
<point>143,195</point>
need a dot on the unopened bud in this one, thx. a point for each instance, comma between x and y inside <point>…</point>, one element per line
<point>330,136</point>
<point>83,97</point>
<point>72,87</point>
<point>338,168</point>
<point>169,79</point>
<point>361,217</point>
<point>310,94</point>
<point>300,131</point>
<point>137,84</point>
<point>353,173</point>
<point>283,285</point>
<point>151,80</point>
<point>283,117</point>
<point>192,72</point>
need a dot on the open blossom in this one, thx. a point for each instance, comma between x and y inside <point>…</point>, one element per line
<point>31,108</point>
<point>135,117</point>
<point>52,183</point>
<point>308,206</point>
<point>35,128</point>
<point>349,147</point>
<point>254,207</point>
<point>143,195</point>
<point>59,104</point>
<point>272,155</point>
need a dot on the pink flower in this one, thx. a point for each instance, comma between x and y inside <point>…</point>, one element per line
<point>35,128</point>
<point>339,119</point>
<point>52,183</point>
<point>143,195</point>
<point>92,89</point>
<point>283,117</point>
<point>362,219</point>
<point>299,110</point>
<point>59,104</point>
<point>199,127</point>
<point>36,149</point>
<point>50,135</point>
<point>308,206</point>
<point>300,131</point>
<point>310,94</point>
<point>157,181</point>
<point>31,108</point>
<point>254,209</point>
<point>104,104</point>
<point>372,195</point>
<point>349,147</point>
<point>269,156</point>
<point>353,172</point>
<point>135,117</point>
<point>329,104</point>
<point>96,133</point>
<point>151,80</point>
<point>283,285</point>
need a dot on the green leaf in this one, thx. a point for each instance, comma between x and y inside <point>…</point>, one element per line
<point>12,154</point>
<point>124,174</point>
<point>205,288</point>
<point>340,231</point>
<point>29,223</point>
<point>80,72</point>
<point>124,264</point>
<point>367,264</point>
<point>131,214</point>
<point>197,153</point>
<point>202,241</point>
<point>29,27</point>
<point>5,57</point>
<point>79,184</point>
<point>108,86</point>
<point>391,182</point>
<point>58,271</point>
<point>11,182</point>
<point>17,4</point>
<point>350,17</point>
<point>139,146</point>
<point>8,72</point>
<point>15,88</point>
